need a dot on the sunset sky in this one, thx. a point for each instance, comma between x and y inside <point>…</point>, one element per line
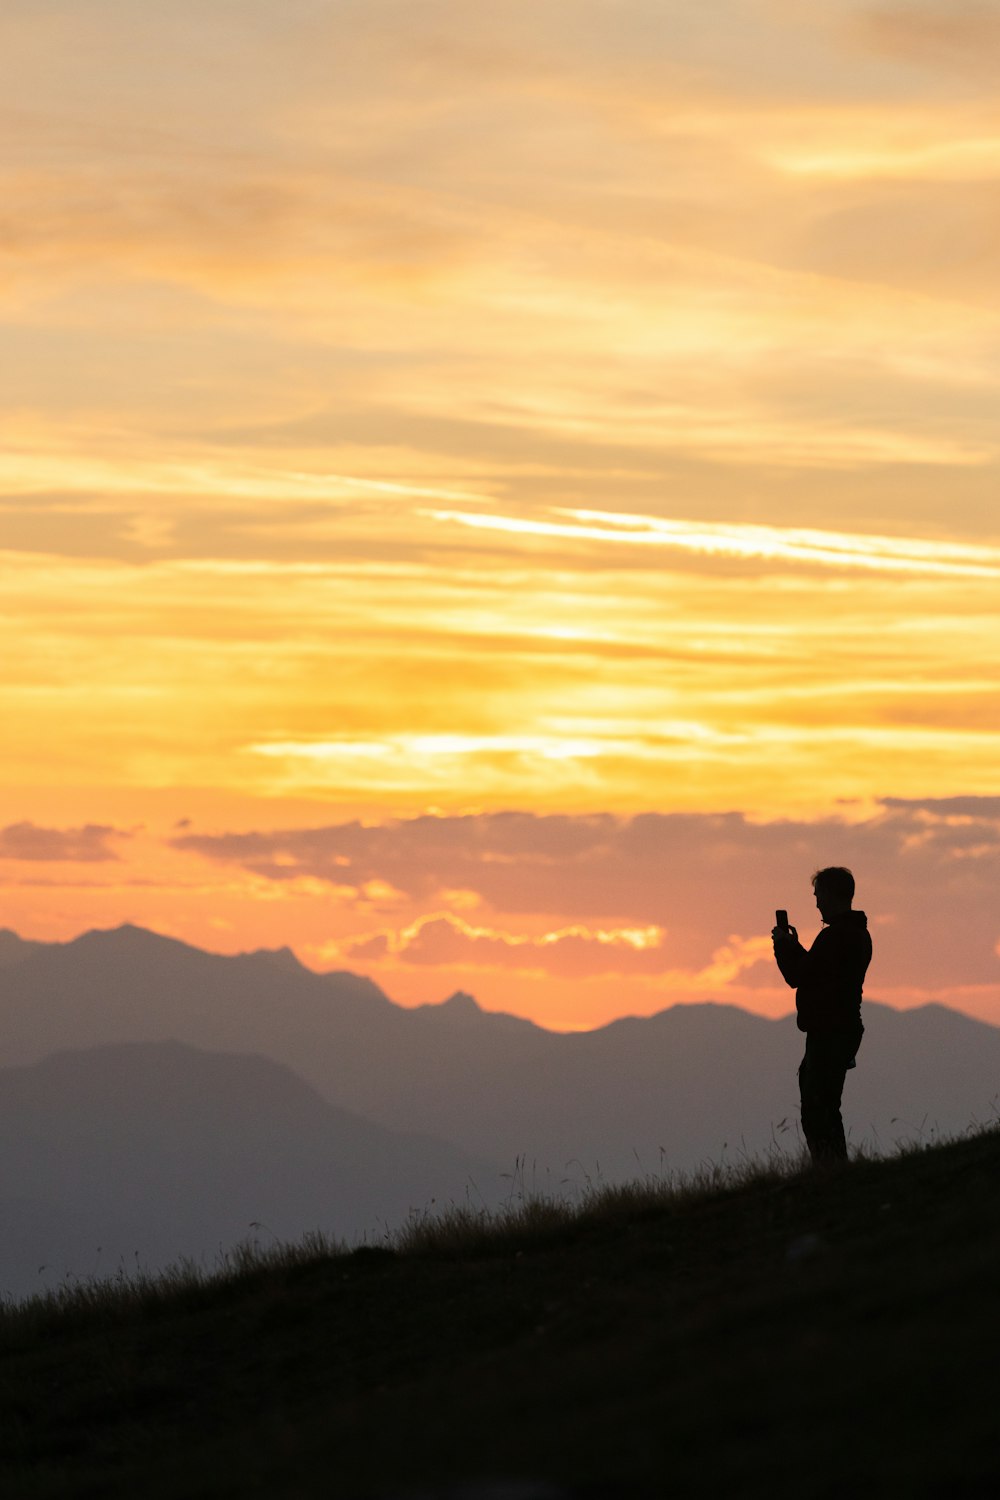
<point>493,496</point>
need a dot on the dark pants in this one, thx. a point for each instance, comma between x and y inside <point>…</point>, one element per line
<point>822,1071</point>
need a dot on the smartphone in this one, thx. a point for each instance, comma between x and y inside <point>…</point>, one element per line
<point>781,919</point>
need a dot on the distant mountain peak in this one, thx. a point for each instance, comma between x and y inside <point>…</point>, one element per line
<point>284,957</point>
<point>130,936</point>
<point>462,1004</point>
<point>126,933</point>
<point>14,949</point>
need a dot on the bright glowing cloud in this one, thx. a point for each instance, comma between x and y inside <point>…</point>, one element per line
<point>767,543</point>
<point>445,940</point>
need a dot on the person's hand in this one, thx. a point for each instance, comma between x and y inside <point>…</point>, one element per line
<point>784,934</point>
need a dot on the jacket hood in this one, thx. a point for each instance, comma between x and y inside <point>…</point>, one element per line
<point>849,919</point>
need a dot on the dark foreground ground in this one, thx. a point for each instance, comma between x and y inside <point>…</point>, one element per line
<point>833,1336</point>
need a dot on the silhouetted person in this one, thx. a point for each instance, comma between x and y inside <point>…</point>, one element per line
<point>827,980</point>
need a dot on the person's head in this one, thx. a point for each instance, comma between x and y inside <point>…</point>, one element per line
<point>834,889</point>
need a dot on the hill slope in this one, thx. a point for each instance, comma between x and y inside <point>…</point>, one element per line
<point>818,1335</point>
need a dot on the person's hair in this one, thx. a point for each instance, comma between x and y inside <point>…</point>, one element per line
<point>836,881</point>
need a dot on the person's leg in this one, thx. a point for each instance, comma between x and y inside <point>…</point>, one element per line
<point>821,1086</point>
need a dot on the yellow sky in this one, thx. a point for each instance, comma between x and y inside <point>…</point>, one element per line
<point>426,408</point>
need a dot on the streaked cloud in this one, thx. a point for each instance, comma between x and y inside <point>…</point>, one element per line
<point>91,844</point>
<point>974,159</point>
<point>570,670</point>
<point>763,543</point>
<point>943,35</point>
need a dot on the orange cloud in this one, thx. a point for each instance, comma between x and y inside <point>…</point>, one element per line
<point>943,35</point>
<point>927,870</point>
<point>91,844</point>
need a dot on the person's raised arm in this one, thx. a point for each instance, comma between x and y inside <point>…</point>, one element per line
<point>789,955</point>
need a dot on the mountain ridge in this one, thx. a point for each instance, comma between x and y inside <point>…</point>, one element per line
<point>668,1091</point>
<point>459,1002</point>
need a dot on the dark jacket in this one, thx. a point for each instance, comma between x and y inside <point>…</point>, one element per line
<point>828,978</point>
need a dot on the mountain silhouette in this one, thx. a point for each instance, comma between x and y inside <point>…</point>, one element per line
<point>693,1083</point>
<point>13,948</point>
<point>138,1154</point>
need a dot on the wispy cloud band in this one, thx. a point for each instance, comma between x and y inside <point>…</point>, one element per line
<point>807,546</point>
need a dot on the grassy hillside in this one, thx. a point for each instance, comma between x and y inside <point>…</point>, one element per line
<point>806,1334</point>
